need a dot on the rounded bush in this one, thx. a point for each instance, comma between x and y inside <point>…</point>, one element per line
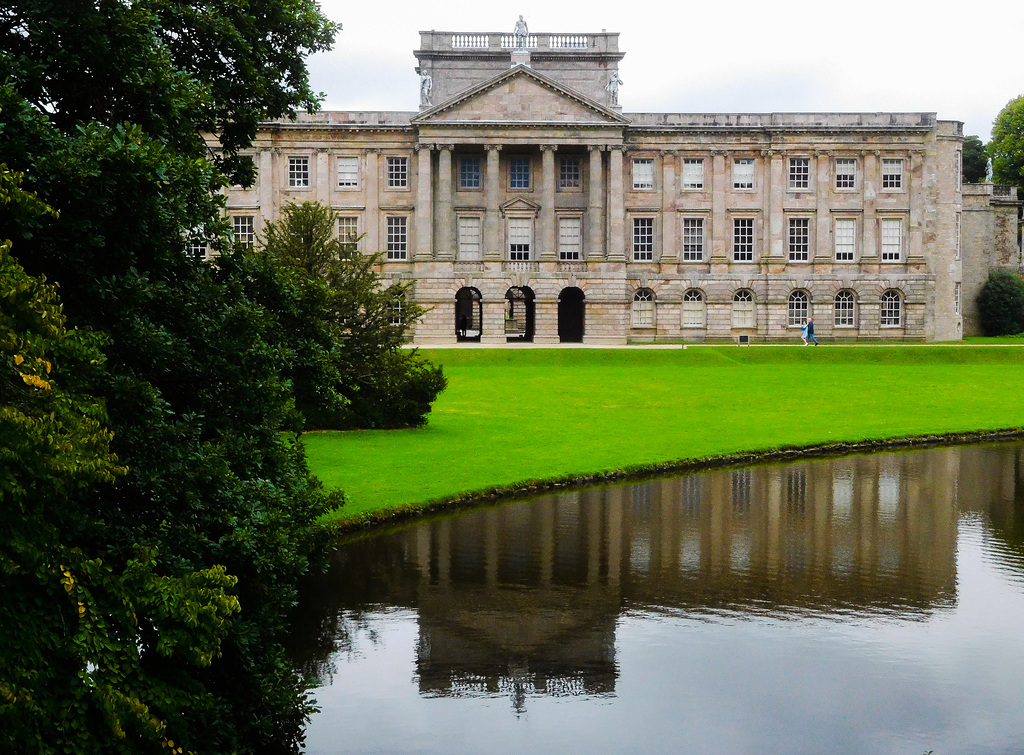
<point>1001,304</point>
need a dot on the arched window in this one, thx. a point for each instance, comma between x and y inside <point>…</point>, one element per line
<point>891,315</point>
<point>743,309</point>
<point>643,308</point>
<point>798,307</point>
<point>693,309</point>
<point>844,310</point>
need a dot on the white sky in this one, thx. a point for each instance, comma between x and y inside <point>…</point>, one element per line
<point>959,61</point>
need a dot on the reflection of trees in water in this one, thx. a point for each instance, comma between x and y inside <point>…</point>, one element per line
<point>334,609</point>
<point>1002,478</point>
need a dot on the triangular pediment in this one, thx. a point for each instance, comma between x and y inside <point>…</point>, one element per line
<point>520,96</point>
<point>519,205</point>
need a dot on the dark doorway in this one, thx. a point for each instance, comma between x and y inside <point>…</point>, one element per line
<point>469,314</point>
<point>519,314</point>
<point>570,315</point>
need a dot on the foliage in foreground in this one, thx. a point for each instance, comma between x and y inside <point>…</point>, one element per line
<point>158,511</point>
<point>1001,304</point>
<point>360,325</point>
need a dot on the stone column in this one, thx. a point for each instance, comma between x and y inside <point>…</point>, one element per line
<point>721,223</point>
<point>492,196</point>
<point>548,234</point>
<point>616,208</point>
<point>322,187</point>
<point>773,194</point>
<point>916,221</point>
<point>265,179</point>
<point>371,223</point>
<point>669,221</point>
<point>869,233</point>
<point>822,252</point>
<point>423,249</point>
<point>444,221</point>
<point>594,249</point>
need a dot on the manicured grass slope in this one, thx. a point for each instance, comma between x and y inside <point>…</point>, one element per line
<point>513,415</point>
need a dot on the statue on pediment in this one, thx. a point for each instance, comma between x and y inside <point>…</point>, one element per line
<point>521,33</point>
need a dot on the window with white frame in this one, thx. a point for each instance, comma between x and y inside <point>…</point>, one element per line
<point>891,314</point>
<point>892,174</point>
<point>643,239</point>
<point>643,173</point>
<point>398,172</point>
<point>892,239</point>
<point>693,239</point>
<point>348,231</point>
<point>348,172</point>
<point>844,309</point>
<point>195,248</point>
<point>569,238</point>
<point>743,173</point>
<point>693,173</point>
<point>298,172</point>
<point>469,173</point>
<point>570,173</point>
<point>693,309</point>
<point>957,292</point>
<point>846,239</point>
<point>470,237</point>
<point>799,172</point>
<point>243,228</point>
<point>743,309</point>
<point>520,238</point>
<point>742,239</point>
<point>797,309</point>
<point>519,173</point>
<point>397,309</point>
<point>398,237</point>
<point>846,173</point>
<point>643,308</point>
<point>799,239</point>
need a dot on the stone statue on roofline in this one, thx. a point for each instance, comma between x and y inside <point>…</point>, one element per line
<point>613,87</point>
<point>426,86</point>
<point>521,33</point>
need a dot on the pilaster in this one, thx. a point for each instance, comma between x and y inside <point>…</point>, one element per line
<point>616,208</point>
<point>444,223</point>
<point>424,204</point>
<point>547,208</point>
<point>492,197</point>
<point>595,207</point>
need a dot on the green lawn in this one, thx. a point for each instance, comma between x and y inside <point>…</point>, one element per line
<point>512,415</point>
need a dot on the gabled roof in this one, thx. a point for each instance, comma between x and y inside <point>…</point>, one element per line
<point>520,96</point>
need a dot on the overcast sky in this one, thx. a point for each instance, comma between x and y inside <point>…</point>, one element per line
<point>739,56</point>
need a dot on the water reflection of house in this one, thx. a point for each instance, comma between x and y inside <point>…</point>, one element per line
<point>524,598</point>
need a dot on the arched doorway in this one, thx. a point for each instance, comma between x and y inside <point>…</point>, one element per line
<point>570,315</point>
<point>519,314</point>
<point>469,314</point>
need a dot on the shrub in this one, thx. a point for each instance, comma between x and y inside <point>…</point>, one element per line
<point>1001,304</point>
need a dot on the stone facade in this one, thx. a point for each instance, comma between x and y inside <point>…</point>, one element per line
<point>525,205</point>
<point>989,242</point>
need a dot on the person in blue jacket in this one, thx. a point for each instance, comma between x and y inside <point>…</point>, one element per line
<point>809,332</point>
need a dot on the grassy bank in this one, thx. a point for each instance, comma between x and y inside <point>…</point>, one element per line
<point>513,415</point>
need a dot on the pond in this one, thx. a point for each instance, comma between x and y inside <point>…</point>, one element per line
<point>851,605</point>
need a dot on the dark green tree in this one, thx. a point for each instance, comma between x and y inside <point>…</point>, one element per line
<point>1001,304</point>
<point>1007,145</point>
<point>212,507</point>
<point>975,160</point>
<point>382,384</point>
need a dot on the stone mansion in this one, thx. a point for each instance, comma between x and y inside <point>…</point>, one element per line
<point>525,205</point>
